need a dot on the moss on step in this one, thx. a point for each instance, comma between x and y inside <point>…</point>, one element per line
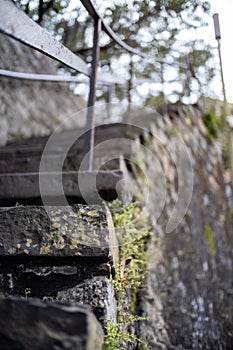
<point>133,232</point>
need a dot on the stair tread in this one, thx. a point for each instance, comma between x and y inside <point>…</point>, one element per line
<point>74,231</point>
<point>89,185</point>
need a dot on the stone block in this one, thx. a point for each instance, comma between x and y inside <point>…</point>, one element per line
<point>32,324</point>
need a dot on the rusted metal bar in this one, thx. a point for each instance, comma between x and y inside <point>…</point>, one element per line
<point>130,86</point>
<point>102,78</point>
<point>90,124</point>
<point>42,77</point>
<point>110,97</point>
<point>16,24</point>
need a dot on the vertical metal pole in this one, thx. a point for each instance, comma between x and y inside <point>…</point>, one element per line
<point>130,86</point>
<point>227,131</point>
<point>90,124</point>
<point>164,100</point>
<point>222,78</point>
<point>230,152</point>
<point>218,38</point>
<point>110,96</point>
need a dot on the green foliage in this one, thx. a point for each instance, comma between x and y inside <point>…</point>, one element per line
<point>114,336</point>
<point>209,238</point>
<point>132,232</point>
<point>152,26</point>
<point>222,219</point>
<point>211,124</point>
<point>27,292</point>
<point>171,131</point>
<point>43,9</point>
<point>188,122</point>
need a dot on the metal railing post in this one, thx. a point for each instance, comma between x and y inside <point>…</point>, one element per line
<point>18,26</point>
<point>90,123</point>
<point>230,153</point>
<point>110,97</point>
<point>130,86</point>
<point>218,38</point>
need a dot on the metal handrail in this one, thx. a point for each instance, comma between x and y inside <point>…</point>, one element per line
<point>90,7</point>
<point>17,25</point>
<point>92,10</point>
<point>102,78</point>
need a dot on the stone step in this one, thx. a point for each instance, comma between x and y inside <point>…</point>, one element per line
<point>32,324</point>
<point>35,146</point>
<point>54,250</point>
<point>72,231</point>
<point>96,292</point>
<point>31,164</point>
<point>25,156</point>
<point>82,187</point>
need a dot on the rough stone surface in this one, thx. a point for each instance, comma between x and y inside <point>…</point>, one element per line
<point>96,292</point>
<point>85,186</point>
<point>25,155</point>
<point>81,231</point>
<point>187,294</point>
<point>188,291</point>
<point>20,164</point>
<point>31,324</point>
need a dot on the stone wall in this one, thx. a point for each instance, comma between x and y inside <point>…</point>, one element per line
<point>40,112</point>
<point>186,295</point>
<point>188,290</point>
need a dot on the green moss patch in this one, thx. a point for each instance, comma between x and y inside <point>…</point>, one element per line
<point>209,238</point>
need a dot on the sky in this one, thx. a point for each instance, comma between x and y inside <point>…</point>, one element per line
<point>225,10</point>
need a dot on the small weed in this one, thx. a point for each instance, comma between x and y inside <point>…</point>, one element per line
<point>132,232</point>
<point>211,124</point>
<point>188,122</point>
<point>222,219</point>
<point>27,292</point>
<point>146,141</point>
<point>171,131</point>
<point>130,133</point>
<point>139,196</point>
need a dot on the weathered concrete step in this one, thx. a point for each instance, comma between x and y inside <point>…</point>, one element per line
<point>111,141</point>
<point>77,231</point>
<point>90,187</point>
<point>104,157</point>
<point>54,250</point>
<point>35,146</point>
<point>72,162</point>
<point>35,325</point>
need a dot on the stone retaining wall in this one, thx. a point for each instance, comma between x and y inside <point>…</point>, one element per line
<point>186,295</point>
